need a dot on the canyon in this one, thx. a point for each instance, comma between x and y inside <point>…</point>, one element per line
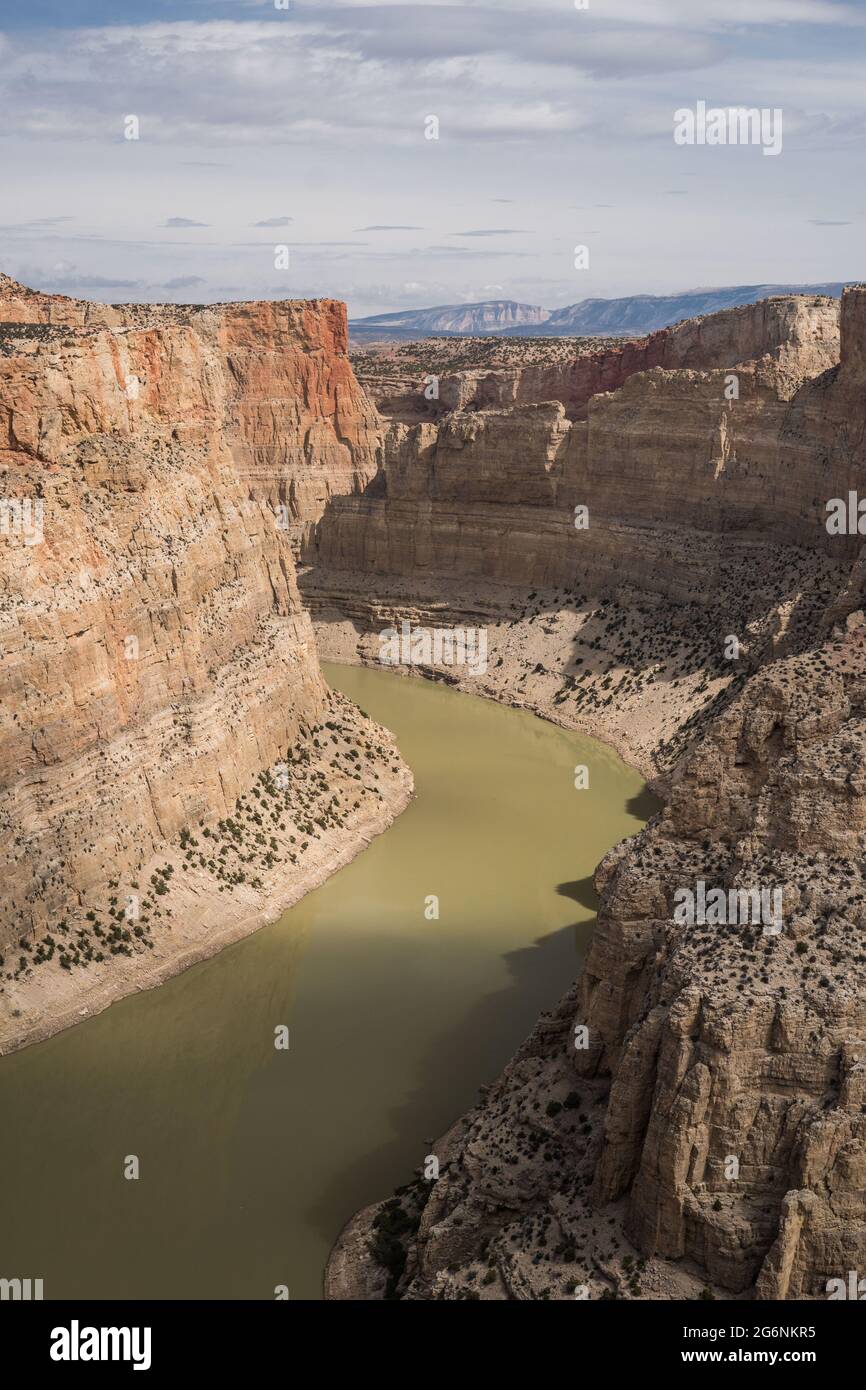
<point>689,1121</point>
<point>640,530</point>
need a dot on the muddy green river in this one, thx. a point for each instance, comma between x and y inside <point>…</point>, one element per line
<point>251,1159</point>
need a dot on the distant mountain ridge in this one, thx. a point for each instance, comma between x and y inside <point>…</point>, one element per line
<point>489,316</point>
<point>644,313</point>
<point>632,315</point>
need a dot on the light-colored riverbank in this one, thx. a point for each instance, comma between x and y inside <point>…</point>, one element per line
<point>543,655</point>
<point>252,1159</point>
<point>207,915</point>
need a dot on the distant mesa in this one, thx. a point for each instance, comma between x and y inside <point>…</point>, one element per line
<point>630,316</point>
<point>490,316</point>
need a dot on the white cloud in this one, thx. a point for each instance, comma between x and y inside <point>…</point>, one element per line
<point>544,107</point>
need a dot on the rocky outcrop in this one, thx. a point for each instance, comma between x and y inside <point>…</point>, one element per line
<point>299,428</point>
<point>734,432</point>
<point>156,658</point>
<point>798,334</point>
<point>691,1117</point>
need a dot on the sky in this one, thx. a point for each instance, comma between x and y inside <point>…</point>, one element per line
<point>306,127</point>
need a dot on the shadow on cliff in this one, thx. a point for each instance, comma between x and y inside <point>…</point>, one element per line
<point>489,1034</point>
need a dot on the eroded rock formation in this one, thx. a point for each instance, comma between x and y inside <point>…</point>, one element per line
<point>692,1116</point>
<point>157,463</point>
<point>298,427</point>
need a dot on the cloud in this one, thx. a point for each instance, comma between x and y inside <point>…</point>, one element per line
<point>822,222</point>
<point>495,231</point>
<point>465,252</point>
<point>530,94</point>
<point>96,282</point>
<point>698,12</point>
<point>34,222</point>
<point>397,64</point>
<point>182,282</point>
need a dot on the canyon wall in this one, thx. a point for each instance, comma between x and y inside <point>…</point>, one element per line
<point>155,658</point>
<point>690,1120</point>
<point>298,426</point>
<point>737,438</point>
<point>789,329</point>
<point>732,1041</point>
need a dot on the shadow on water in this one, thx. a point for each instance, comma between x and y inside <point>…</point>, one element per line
<point>580,890</point>
<point>255,1159</point>
<point>645,805</point>
<point>443,1092</point>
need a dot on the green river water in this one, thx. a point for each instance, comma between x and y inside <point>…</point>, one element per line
<point>251,1159</point>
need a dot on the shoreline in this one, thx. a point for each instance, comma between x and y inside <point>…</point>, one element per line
<point>57,999</point>
<point>530,657</point>
<point>633,755</point>
<point>247,910</point>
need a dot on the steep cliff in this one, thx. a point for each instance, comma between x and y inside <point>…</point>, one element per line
<point>299,428</point>
<point>687,509</point>
<point>796,332</point>
<point>156,659</point>
<point>692,1116</point>
<point>699,426</point>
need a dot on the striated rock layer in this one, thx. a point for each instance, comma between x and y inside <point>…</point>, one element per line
<point>792,331</point>
<point>155,657</point>
<point>727,429</point>
<point>692,1116</point>
<point>298,427</point>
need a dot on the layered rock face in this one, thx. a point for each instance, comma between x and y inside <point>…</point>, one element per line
<point>156,657</point>
<point>793,331</point>
<point>712,436</point>
<point>737,1052</point>
<point>299,428</point>
<point>127,714</point>
<point>687,512</point>
<point>692,1116</point>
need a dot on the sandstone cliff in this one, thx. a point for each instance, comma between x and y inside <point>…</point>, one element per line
<point>729,430</point>
<point>796,331</point>
<point>691,1116</point>
<point>299,428</point>
<point>156,660</point>
<point>688,508</point>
